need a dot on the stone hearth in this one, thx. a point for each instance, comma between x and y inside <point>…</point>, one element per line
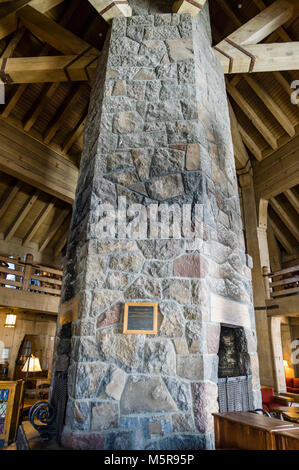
<point>158,132</point>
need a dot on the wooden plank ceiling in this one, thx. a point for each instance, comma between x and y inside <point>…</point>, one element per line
<point>55,113</point>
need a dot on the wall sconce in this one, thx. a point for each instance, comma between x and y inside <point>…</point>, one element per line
<point>10,321</point>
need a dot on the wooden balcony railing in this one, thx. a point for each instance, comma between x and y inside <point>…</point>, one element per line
<point>26,276</point>
<point>283,283</point>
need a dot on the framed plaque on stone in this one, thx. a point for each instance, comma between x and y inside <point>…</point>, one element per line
<point>141,318</point>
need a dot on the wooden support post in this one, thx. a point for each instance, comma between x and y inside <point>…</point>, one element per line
<point>27,272</point>
<point>266,281</point>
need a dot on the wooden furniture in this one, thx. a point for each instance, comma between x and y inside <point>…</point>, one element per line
<point>288,440</point>
<point>294,397</point>
<point>10,407</point>
<point>248,431</point>
<point>290,413</point>
<point>282,400</point>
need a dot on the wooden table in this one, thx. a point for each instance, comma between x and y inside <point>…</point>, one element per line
<point>290,413</point>
<point>248,431</point>
<point>284,401</point>
<point>294,397</point>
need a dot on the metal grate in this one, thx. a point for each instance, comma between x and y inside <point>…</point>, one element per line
<point>59,400</point>
<point>4,393</point>
<point>235,394</point>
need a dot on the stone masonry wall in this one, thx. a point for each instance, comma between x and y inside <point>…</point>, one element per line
<point>158,131</point>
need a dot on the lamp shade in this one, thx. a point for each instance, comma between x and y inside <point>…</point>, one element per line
<point>10,321</point>
<point>32,365</point>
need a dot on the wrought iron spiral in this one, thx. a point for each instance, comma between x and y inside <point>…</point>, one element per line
<point>43,412</point>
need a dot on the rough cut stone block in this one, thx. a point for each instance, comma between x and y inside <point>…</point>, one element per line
<point>116,385</point>
<point>204,404</point>
<point>104,416</point>
<point>193,157</point>
<point>159,357</point>
<point>166,187</point>
<point>145,394</point>
<point>189,266</point>
<point>180,49</point>
<point>111,316</point>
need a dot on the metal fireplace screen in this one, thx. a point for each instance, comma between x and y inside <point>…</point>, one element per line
<point>235,394</point>
<point>59,401</point>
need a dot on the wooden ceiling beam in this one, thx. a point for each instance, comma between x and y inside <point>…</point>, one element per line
<point>49,69</point>
<point>75,135</point>
<point>54,34</point>
<point>34,163</point>
<point>62,113</point>
<point>109,9</point>
<point>263,24</point>
<point>292,198</point>
<point>259,57</point>
<point>63,239</point>
<point>8,198</point>
<point>44,97</point>
<point>281,236</point>
<point>280,31</point>
<point>250,144</point>
<point>38,222</point>
<point>21,215</point>
<point>269,102</point>
<point>239,149</point>
<point>286,218</point>
<point>252,115</point>
<point>54,229</point>
<point>188,6</point>
<point>9,20</point>
<point>278,172</point>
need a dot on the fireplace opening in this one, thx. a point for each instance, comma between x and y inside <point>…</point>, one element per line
<point>234,371</point>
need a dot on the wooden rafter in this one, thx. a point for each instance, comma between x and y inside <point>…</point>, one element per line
<point>38,222</point>
<point>63,239</point>
<point>293,199</point>
<point>250,143</point>
<point>62,113</point>
<point>240,51</point>
<point>54,229</point>
<point>278,172</point>
<point>76,134</point>
<point>252,115</point>
<point>259,27</point>
<point>44,97</point>
<point>286,217</point>
<point>21,216</point>
<point>34,163</point>
<point>49,69</point>
<point>268,101</point>
<point>259,57</point>
<point>9,20</point>
<point>281,235</point>
<point>54,34</point>
<point>188,6</point>
<point>109,9</point>
<point>9,197</point>
<point>240,151</point>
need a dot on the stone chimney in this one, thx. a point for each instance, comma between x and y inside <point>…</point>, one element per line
<point>158,133</point>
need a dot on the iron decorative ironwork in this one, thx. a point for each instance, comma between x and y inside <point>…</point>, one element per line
<point>42,416</point>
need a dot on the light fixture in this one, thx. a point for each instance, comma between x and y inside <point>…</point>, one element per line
<point>32,365</point>
<point>285,363</point>
<point>10,321</point>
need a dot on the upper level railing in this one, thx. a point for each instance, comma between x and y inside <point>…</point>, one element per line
<point>283,283</point>
<point>26,276</point>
